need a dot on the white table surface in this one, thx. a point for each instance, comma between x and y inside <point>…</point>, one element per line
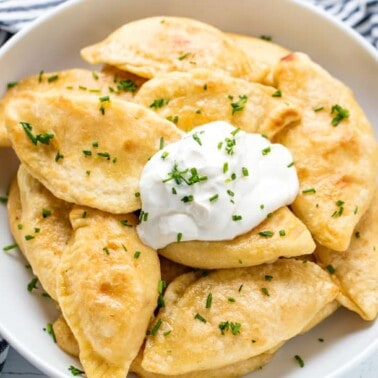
<point>17,367</point>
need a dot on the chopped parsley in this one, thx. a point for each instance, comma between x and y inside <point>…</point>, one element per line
<point>214,197</point>
<point>75,371</point>
<point>266,37</point>
<point>32,284</point>
<point>268,277</point>
<point>179,237</point>
<point>12,84</point>
<point>125,222</point>
<point>188,198</point>
<point>46,213</point>
<point>265,291</point>
<point>127,86</point>
<point>87,153</point>
<point>9,247</point>
<point>159,103</point>
<point>318,109</point>
<point>197,139</point>
<point>331,269</point>
<point>245,172</point>
<point>290,165</point>
<point>225,326</point>
<point>173,119</point>
<point>239,105</point>
<point>200,318</point>
<point>357,234</point>
<point>266,151</point>
<point>3,199</point>
<point>156,327</point>
<point>299,360</point>
<point>137,254</point>
<point>50,330</point>
<point>237,218</point>
<point>340,209</point>
<point>277,93</point>
<point>282,232</point>
<point>209,300</point>
<point>309,191</point>
<point>52,78</point>
<point>106,250</point>
<point>340,114</point>
<point>58,156</point>
<point>29,237</point>
<point>266,234</point>
<point>184,56</point>
<point>41,138</point>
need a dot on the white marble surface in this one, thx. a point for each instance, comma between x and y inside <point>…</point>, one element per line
<point>17,367</point>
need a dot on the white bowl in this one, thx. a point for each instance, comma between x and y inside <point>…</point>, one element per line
<point>54,43</point>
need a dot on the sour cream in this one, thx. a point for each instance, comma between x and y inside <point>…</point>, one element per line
<point>216,183</point>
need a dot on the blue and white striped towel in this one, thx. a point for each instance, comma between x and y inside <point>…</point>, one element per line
<point>362,15</point>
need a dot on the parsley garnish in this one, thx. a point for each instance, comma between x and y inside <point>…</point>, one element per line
<point>3,199</point>
<point>290,165</point>
<point>268,277</point>
<point>330,269</point>
<point>214,197</point>
<point>309,191</point>
<point>341,114</point>
<point>225,326</point>
<point>137,254</point>
<point>239,105</point>
<point>58,156</point>
<point>50,330</point>
<point>318,109</point>
<point>340,209</point>
<point>197,139</point>
<point>159,102</point>
<point>29,237</point>
<point>41,138</point>
<point>173,119</point>
<point>75,371</point>
<point>266,234</point>
<point>179,237</point>
<point>46,213</point>
<point>266,151</point>
<point>52,78</point>
<point>265,291</point>
<point>245,172</point>
<point>209,300</point>
<point>282,232</point>
<point>277,93</point>
<point>9,247</point>
<point>125,222</point>
<point>156,327</point>
<point>237,218</point>
<point>266,37</point>
<point>299,360</point>
<point>186,199</point>
<point>32,284</point>
<point>12,84</point>
<point>127,86</point>
<point>200,318</point>
<point>182,57</point>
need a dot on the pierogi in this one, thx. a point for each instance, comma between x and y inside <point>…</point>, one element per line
<point>356,269</point>
<point>85,150</point>
<point>108,81</point>
<point>107,290</point>
<point>41,227</point>
<point>246,304</point>
<point>156,45</point>
<point>202,96</point>
<point>334,150</point>
<point>287,236</point>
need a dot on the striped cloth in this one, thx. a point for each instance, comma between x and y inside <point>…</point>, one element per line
<point>362,15</point>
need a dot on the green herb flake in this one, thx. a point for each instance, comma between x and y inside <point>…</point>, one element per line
<point>174,191</point>
<point>277,93</point>
<point>40,76</point>
<point>127,86</point>
<point>3,199</point>
<point>46,213</point>
<point>167,333</point>
<point>20,226</point>
<point>265,37</point>
<point>290,165</point>
<point>268,277</point>
<point>266,151</point>
<point>41,138</point>
<point>125,223</point>
<point>340,209</point>
<point>231,299</point>
<point>209,300</point>
<point>188,198</point>
<point>75,371</point>
<point>87,153</point>
<point>245,172</point>
<point>179,237</point>
<point>29,237</point>
<point>32,284</point>
<point>50,330</point>
<point>266,234</point>
<point>198,111</point>
<point>299,360</point>
<point>173,119</point>
<point>205,87</point>
<point>184,56</point>
<point>156,327</point>
<point>197,139</point>
<point>240,288</point>
<point>282,232</point>
<point>355,211</point>
<point>214,197</point>
<point>11,84</point>
<point>321,340</point>
<point>159,103</point>
<point>331,269</point>
<point>137,194</point>
<point>235,328</point>
<point>237,218</point>
<point>10,247</point>
<point>265,291</point>
<point>319,109</point>
<point>58,156</point>
<point>340,114</point>
<point>357,234</point>
<point>200,318</point>
<point>239,105</point>
<point>225,167</point>
<point>105,155</point>
<point>52,78</point>
<point>161,143</point>
<point>137,254</point>
<point>106,250</point>
<point>309,191</point>
<point>84,214</point>
<point>104,99</point>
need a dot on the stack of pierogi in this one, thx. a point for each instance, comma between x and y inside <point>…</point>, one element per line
<point>193,308</point>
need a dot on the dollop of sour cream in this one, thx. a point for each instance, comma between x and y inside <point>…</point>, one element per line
<point>216,183</point>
